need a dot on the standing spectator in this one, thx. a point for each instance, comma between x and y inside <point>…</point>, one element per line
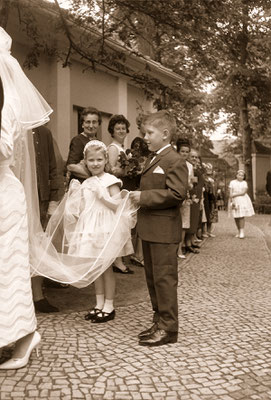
<point>220,199</point>
<point>118,128</point>
<point>91,120</point>
<point>47,174</point>
<point>195,196</point>
<point>240,204</point>
<point>48,184</point>
<point>162,189</point>
<point>140,151</point>
<point>210,201</point>
<point>183,148</point>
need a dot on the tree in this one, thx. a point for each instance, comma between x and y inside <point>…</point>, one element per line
<point>241,44</point>
<point>226,42</point>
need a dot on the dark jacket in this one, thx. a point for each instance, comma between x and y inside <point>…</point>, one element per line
<point>46,164</point>
<point>268,182</point>
<point>163,187</point>
<point>76,152</point>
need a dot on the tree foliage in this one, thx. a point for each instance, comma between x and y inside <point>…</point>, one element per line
<point>223,42</point>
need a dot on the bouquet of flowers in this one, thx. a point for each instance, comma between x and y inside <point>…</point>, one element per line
<point>132,162</point>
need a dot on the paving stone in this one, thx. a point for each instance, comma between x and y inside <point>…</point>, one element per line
<point>223,351</point>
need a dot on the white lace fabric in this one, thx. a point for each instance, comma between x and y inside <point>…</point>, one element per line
<point>84,237</point>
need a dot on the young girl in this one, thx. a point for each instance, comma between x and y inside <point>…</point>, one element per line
<point>240,205</point>
<point>89,223</point>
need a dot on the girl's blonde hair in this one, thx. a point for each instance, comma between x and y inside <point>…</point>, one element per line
<point>96,145</point>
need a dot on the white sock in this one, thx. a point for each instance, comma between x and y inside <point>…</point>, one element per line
<point>108,306</point>
<point>99,301</point>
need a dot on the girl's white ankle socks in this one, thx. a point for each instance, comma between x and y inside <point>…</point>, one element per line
<point>108,306</point>
<point>99,301</point>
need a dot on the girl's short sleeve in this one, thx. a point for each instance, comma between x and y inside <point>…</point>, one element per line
<point>109,180</point>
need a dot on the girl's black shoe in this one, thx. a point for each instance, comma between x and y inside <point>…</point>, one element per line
<point>103,316</point>
<point>92,314</point>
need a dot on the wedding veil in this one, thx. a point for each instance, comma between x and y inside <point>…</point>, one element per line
<point>31,110</point>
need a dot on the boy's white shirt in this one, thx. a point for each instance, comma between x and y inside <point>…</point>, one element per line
<point>160,151</point>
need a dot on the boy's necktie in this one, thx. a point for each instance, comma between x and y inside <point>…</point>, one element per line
<point>153,155</point>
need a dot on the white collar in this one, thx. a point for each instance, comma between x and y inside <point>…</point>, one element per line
<point>163,148</point>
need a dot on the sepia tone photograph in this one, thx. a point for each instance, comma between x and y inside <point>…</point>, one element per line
<point>135,199</point>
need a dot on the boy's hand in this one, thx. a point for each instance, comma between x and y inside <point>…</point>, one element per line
<point>135,196</point>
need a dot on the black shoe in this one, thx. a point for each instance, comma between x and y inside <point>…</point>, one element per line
<point>196,246</point>
<point>120,271</point>
<point>103,316</point>
<point>159,338</point>
<point>184,249</point>
<point>44,306</point>
<point>191,249</point>
<point>134,260</point>
<point>148,332</point>
<point>48,283</point>
<point>92,314</point>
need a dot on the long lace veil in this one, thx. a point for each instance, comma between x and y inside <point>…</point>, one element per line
<point>48,250</point>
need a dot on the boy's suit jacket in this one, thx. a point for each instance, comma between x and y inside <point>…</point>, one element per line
<point>164,184</point>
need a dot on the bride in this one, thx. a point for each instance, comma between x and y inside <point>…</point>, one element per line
<point>22,108</point>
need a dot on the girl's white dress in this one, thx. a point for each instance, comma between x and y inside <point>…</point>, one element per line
<point>89,223</point>
<point>242,204</point>
<point>17,316</point>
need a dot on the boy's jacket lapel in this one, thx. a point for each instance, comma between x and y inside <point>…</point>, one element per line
<point>156,160</point>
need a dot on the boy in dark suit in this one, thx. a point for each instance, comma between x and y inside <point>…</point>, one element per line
<point>163,187</point>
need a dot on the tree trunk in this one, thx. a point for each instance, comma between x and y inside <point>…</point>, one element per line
<point>243,104</point>
<point>4,11</point>
<point>246,141</point>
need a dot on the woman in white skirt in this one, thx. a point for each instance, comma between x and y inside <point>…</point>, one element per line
<point>240,205</point>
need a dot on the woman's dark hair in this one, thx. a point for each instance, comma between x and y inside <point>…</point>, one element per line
<point>182,143</point>
<point>141,146</point>
<point>90,110</point>
<point>117,119</point>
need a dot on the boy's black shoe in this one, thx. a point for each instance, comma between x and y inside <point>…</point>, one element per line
<point>148,332</point>
<point>159,338</point>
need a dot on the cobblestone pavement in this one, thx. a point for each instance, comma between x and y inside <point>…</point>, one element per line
<point>223,350</point>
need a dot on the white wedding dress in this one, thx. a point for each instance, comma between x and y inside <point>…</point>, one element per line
<point>17,316</point>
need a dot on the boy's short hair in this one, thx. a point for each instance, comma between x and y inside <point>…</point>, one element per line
<point>162,119</point>
<point>90,110</point>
